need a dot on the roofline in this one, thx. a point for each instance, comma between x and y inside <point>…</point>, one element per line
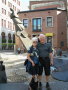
<point>41,10</point>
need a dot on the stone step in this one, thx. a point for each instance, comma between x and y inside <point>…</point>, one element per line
<point>21,86</point>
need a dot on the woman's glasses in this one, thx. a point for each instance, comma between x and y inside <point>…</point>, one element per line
<point>34,41</point>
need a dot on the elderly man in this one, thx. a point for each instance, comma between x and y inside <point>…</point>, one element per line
<point>46,59</point>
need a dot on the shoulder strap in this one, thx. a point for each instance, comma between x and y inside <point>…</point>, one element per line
<point>31,48</point>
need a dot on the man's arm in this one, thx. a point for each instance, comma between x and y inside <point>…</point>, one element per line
<point>52,59</point>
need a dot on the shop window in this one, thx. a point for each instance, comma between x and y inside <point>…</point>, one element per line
<point>49,40</point>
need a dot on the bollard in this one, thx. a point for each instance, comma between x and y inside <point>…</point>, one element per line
<point>3,78</point>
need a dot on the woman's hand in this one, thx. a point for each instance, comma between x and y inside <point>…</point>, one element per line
<point>28,57</point>
<point>33,64</point>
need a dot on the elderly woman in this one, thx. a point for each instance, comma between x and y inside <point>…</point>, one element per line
<point>33,60</point>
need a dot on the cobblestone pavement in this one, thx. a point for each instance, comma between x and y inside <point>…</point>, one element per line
<point>15,71</point>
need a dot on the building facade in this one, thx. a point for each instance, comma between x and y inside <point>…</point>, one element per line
<point>51,22</point>
<point>67,23</point>
<point>7,28</point>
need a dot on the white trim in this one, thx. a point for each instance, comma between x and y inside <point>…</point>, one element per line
<point>52,22</point>
<point>41,22</point>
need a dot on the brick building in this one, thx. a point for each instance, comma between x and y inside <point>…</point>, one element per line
<point>46,19</point>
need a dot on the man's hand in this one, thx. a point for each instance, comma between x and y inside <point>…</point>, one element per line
<point>51,63</point>
<point>52,59</point>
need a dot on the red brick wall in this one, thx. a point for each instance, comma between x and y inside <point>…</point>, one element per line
<point>62,29</point>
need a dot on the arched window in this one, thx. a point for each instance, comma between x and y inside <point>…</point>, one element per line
<point>3,37</point>
<point>9,38</point>
<point>3,41</point>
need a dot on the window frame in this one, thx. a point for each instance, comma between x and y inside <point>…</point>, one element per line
<point>4,2</point>
<point>26,23</point>
<point>52,21</point>
<point>37,30</point>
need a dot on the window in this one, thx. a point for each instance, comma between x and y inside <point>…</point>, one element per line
<point>13,26</point>
<point>49,40</point>
<point>62,43</point>
<point>25,22</point>
<point>36,24</point>
<point>18,10</point>
<point>3,23</point>
<point>14,0</point>
<point>14,8</point>
<point>49,21</point>
<point>3,11</point>
<point>18,2</point>
<point>9,4</point>
<point>9,25</point>
<point>4,1</point>
<point>9,13</point>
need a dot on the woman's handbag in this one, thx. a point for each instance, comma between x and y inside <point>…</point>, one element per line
<point>26,61</point>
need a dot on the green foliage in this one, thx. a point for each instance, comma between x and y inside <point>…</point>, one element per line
<point>3,40</point>
<point>9,41</point>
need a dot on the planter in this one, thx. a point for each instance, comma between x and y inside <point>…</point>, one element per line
<point>4,46</point>
<point>10,46</point>
<point>3,40</point>
<point>9,41</point>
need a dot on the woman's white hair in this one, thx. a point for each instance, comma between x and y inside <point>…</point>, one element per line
<point>34,39</point>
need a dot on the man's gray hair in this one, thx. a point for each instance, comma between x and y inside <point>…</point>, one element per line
<point>41,35</point>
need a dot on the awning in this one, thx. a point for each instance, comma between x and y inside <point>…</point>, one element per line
<point>49,34</point>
